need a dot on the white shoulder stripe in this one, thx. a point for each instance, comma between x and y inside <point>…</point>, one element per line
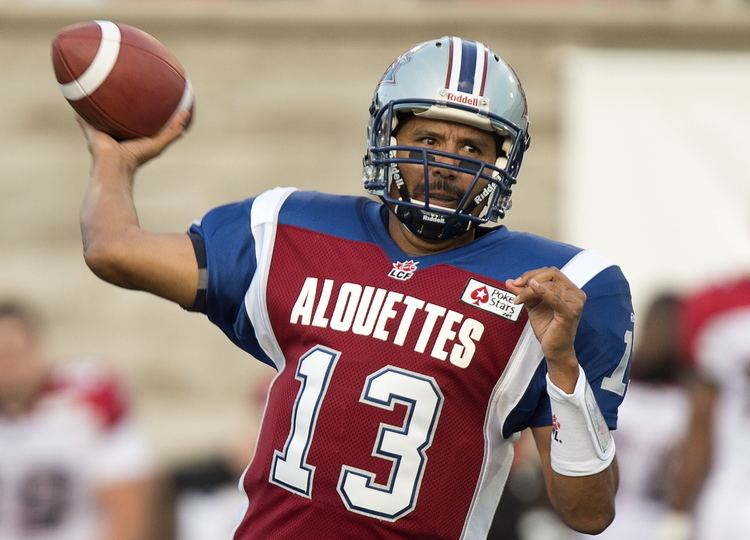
<point>266,208</point>
<point>101,66</point>
<point>585,266</point>
<point>264,217</point>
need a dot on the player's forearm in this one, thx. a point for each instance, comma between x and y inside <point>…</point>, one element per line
<point>696,450</point>
<point>108,216</point>
<point>577,450</point>
<point>563,371</point>
<point>585,503</point>
<point>690,478</point>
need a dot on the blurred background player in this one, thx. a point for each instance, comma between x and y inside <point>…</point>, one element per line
<point>715,461</point>
<point>72,464</point>
<point>203,497</point>
<point>652,423</point>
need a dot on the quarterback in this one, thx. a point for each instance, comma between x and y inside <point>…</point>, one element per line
<point>413,342</point>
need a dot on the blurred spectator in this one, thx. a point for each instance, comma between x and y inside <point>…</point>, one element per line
<point>652,422</point>
<point>715,469</point>
<point>72,464</point>
<point>207,502</point>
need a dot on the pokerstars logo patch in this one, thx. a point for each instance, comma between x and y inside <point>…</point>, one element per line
<point>403,270</point>
<point>491,299</point>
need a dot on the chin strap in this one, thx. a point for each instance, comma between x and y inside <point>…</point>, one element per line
<point>431,225</point>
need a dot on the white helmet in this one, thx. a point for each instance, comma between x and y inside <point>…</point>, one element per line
<point>457,80</point>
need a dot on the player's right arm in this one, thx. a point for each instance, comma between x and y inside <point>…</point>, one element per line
<point>115,247</point>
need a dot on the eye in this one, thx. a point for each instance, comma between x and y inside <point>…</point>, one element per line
<point>471,149</point>
<point>428,141</point>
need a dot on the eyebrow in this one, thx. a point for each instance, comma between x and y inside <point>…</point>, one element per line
<point>420,133</point>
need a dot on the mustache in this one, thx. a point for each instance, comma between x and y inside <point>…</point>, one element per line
<point>439,185</point>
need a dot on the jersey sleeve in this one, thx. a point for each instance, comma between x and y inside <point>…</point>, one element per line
<point>603,344</point>
<point>226,238</point>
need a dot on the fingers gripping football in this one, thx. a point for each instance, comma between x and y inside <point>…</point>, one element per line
<point>134,152</point>
<point>554,305</point>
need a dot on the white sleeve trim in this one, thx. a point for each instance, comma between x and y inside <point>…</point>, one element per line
<point>264,218</point>
<point>585,266</point>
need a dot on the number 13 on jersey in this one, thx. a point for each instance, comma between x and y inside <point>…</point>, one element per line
<point>405,445</point>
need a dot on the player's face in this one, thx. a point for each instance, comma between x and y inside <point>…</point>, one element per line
<point>658,349</point>
<point>447,187</point>
<point>21,365</point>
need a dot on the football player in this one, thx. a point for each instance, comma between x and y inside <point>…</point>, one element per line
<point>412,342</point>
<point>652,422</point>
<point>73,464</point>
<point>711,500</point>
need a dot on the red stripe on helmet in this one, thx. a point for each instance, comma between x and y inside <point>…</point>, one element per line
<point>484,71</point>
<point>450,63</point>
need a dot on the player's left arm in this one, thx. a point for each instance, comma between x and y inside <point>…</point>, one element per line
<point>577,451</point>
<point>584,503</point>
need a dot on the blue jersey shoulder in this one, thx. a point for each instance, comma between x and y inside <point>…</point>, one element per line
<point>501,254</point>
<point>342,216</point>
<point>230,266</point>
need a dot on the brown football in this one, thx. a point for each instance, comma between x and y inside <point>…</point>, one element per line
<point>119,79</point>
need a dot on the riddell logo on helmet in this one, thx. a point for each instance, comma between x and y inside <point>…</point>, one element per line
<point>466,99</point>
<point>434,218</point>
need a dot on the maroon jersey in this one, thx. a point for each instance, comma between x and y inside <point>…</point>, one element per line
<point>402,380</point>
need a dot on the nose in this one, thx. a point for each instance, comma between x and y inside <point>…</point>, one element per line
<point>442,171</point>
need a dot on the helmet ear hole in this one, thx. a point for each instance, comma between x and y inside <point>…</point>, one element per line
<point>506,146</point>
<point>398,120</point>
<point>503,144</point>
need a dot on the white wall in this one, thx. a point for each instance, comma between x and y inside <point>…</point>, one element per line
<point>656,170</point>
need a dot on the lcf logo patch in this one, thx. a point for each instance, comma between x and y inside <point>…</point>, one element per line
<point>492,299</point>
<point>403,270</point>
